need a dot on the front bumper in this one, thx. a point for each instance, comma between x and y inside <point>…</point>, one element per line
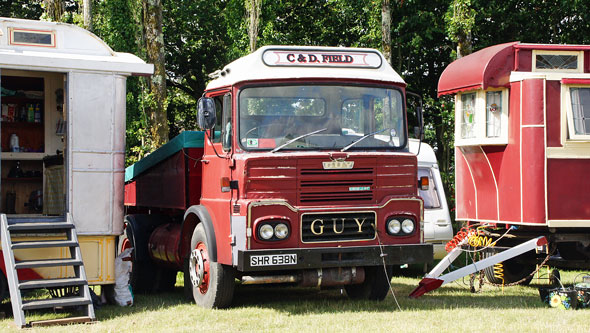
<point>310,258</point>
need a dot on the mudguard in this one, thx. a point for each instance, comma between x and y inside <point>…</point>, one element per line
<point>205,218</point>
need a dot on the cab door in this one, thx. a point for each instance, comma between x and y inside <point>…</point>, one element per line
<point>217,167</point>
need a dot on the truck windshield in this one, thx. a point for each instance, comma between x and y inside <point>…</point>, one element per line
<point>323,116</point>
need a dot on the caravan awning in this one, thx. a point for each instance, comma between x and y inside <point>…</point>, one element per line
<point>489,67</point>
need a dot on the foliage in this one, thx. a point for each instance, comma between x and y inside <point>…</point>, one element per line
<point>202,36</point>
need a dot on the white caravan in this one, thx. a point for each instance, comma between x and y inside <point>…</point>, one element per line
<point>437,220</point>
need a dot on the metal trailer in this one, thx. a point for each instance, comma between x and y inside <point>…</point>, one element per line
<point>522,147</point>
<point>63,152</point>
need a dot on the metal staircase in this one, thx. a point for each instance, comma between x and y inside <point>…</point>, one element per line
<point>42,228</point>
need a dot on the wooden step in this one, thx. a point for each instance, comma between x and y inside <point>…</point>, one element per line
<point>61,321</point>
<point>50,283</point>
<point>55,302</point>
<point>41,226</point>
<point>42,244</point>
<point>47,263</point>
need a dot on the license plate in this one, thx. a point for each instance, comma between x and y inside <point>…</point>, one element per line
<point>273,260</point>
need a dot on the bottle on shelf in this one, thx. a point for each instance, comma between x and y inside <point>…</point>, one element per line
<point>37,113</point>
<point>31,113</point>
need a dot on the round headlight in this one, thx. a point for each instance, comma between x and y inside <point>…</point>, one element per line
<point>266,231</point>
<point>281,231</point>
<point>393,226</point>
<point>408,226</point>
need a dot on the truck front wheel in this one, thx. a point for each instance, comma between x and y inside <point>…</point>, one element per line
<point>375,286</point>
<point>212,283</point>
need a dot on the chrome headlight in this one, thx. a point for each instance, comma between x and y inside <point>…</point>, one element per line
<point>281,231</point>
<point>394,227</point>
<point>408,226</point>
<point>266,231</point>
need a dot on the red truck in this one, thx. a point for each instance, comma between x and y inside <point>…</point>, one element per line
<point>301,175</point>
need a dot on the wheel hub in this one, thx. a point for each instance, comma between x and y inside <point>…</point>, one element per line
<point>199,268</point>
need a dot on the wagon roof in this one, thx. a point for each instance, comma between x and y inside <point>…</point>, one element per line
<point>490,67</point>
<point>39,45</point>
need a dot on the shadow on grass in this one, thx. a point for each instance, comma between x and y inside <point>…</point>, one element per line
<point>296,300</point>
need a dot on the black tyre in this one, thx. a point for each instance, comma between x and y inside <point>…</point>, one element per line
<point>141,277</point>
<point>510,271</point>
<point>375,287</point>
<point>212,283</point>
<point>4,292</point>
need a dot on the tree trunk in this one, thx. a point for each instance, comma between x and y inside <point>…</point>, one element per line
<point>154,40</point>
<point>253,7</point>
<point>386,30</point>
<point>54,9</point>
<point>87,7</point>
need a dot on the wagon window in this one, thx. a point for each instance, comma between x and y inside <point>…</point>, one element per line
<point>580,102</point>
<point>558,61</point>
<point>468,115</point>
<point>494,113</point>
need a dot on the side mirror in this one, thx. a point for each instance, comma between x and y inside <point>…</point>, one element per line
<point>206,117</point>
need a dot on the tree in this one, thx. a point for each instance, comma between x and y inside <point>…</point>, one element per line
<point>386,30</point>
<point>253,7</point>
<point>154,41</point>
<point>87,7</point>
<point>54,9</point>
<point>460,20</point>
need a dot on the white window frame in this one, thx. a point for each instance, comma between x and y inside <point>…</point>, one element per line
<point>480,116</point>
<point>579,54</point>
<point>567,116</point>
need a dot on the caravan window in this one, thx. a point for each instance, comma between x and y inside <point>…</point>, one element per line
<point>482,117</point>
<point>578,113</point>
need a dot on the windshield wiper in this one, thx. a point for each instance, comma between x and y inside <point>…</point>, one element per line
<point>362,138</point>
<point>297,138</point>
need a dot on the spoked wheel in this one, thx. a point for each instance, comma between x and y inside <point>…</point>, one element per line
<point>212,283</point>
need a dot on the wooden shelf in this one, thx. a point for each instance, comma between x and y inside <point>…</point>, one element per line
<point>22,156</point>
<point>22,179</point>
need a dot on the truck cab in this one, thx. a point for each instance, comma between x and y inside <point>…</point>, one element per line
<point>305,176</point>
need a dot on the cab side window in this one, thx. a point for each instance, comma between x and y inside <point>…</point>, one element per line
<point>226,130</point>
<point>218,112</point>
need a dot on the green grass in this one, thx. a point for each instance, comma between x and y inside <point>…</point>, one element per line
<point>451,308</point>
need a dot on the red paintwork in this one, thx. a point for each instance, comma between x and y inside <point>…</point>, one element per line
<point>533,152</point>
<point>553,106</point>
<point>163,245</point>
<point>567,188</point>
<point>464,189</point>
<point>167,185</point>
<point>425,285</point>
<point>557,47</point>
<point>23,274</point>
<point>489,67</point>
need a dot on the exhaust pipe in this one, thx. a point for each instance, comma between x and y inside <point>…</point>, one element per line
<point>314,278</point>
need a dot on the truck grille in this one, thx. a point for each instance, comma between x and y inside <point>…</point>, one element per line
<point>334,227</point>
<point>317,185</point>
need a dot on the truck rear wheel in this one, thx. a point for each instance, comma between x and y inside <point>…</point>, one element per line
<point>375,287</point>
<point>212,283</point>
<point>141,270</point>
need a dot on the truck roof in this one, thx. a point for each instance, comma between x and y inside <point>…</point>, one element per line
<point>306,62</point>
<point>39,45</point>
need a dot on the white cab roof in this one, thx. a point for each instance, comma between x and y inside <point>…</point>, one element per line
<point>39,45</point>
<point>426,155</point>
<point>307,62</point>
